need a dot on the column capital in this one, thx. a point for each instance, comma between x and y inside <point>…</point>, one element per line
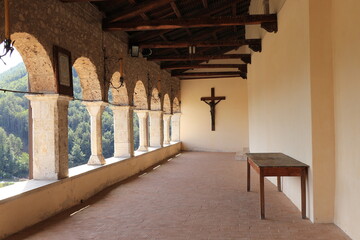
<point>157,113</point>
<point>95,103</point>
<point>167,116</point>
<point>121,107</point>
<point>141,111</point>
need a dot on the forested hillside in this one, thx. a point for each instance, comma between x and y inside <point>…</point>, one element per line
<point>14,125</point>
<point>14,156</point>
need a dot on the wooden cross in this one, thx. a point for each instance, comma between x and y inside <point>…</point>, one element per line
<point>212,102</point>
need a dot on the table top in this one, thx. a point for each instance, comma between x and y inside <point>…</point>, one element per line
<point>274,160</point>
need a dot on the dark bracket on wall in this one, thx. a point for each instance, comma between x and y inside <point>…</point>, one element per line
<point>270,26</point>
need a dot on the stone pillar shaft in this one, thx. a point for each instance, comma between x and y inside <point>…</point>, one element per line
<point>95,110</point>
<point>175,127</point>
<point>167,118</point>
<point>123,131</point>
<point>156,129</point>
<point>50,136</point>
<point>143,129</point>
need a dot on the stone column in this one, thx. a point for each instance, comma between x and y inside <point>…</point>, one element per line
<point>95,110</point>
<point>143,129</point>
<point>50,136</point>
<point>167,118</point>
<point>123,131</point>
<point>156,128</point>
<point>175,127</point>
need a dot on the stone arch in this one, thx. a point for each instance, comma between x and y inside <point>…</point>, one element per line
<point>120,95</point>
<point>167,104</point>
<point>89,80</point>
<point>155,102</point>
<point>140,96</point>
<point>37,61</point>
<point>176,105</point>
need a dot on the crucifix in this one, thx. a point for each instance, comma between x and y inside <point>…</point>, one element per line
<point>212,102</point>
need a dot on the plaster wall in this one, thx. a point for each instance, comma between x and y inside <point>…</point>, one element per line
<point>59,195</point>
<point>346,50</point>
<point>280,95</point>
<point>231,132</point>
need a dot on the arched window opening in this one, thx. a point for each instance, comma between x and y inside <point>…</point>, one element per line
<point>167,119</point>
<point>79,127</point>
<point>140,128</point>
<point>14,120</point>
<point>108,129</point>
<point>136,131</point>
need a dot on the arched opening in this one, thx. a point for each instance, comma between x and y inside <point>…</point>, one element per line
<point>176,105</point>
<point>14,120</point>
<point>88,79</point>
<point>155,102</point>
<point>119,94</point>
<point>79,127</point>
<point>167,104</point>
<point>140,103</point>
<point>37,62</point>
<point>108,126</point>
<point>167,119</point>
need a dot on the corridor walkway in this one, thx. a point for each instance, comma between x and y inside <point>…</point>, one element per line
<point>193,196</point>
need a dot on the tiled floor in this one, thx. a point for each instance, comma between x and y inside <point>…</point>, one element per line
<point>193,196</point>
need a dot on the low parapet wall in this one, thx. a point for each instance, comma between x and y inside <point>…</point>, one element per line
<point>36,201</point>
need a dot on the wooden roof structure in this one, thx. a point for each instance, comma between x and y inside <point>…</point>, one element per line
<point>184,34</point>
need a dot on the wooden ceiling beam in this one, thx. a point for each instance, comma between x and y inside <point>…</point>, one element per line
<point>185,44</point>
<point>209,74</point>
<point>241,67</point>
<point>209,77</point>
<point>244,57</point>
<point>192,22</point>
<point>213,9</point>
<point>137,10</point>
<point>85,0</point>
<point>205,3</point>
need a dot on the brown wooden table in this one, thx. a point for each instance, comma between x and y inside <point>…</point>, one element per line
<point>276,165</point>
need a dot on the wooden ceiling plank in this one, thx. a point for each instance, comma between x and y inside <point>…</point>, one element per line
<point>192,22</point>
<point>138,9</point>
<point>213,9</point>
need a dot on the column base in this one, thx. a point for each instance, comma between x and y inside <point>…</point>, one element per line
<point>143,149</point>
<point>96,160</point>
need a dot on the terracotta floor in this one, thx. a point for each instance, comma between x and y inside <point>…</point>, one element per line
<point>193,196</point>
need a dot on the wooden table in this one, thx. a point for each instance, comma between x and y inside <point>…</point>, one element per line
<point>276,164</point>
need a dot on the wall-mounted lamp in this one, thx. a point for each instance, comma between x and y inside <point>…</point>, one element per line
<point>192,49</point>
<point>146,52</point>
<point>134,51</point>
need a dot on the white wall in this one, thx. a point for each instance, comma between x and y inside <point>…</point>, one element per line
<point>279,94</point>
<point>346,35</point>
<point>231,133</point>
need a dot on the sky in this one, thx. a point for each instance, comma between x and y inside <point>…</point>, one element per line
<point>12,61</point>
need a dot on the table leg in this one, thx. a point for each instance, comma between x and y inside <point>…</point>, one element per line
<point>279,183</point>
<point>303,193</point>
<point>262,195</point>
<point>248,175</point>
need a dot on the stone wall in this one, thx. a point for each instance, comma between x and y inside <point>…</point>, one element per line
<point>37,26</point>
